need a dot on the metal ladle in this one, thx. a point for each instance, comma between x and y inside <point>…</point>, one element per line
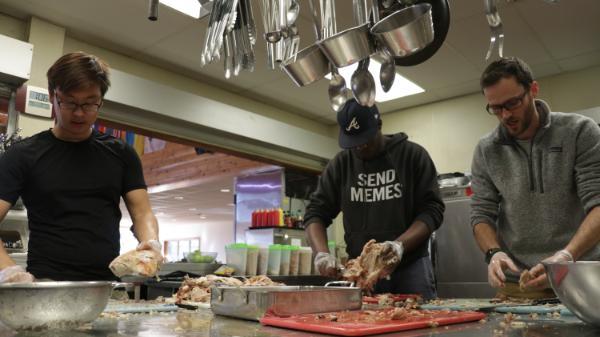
<point>387,72</point>
<point>338,92</point>
<point>363,84</point>
<point>293,11</point>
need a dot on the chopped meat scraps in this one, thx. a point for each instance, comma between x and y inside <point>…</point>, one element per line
<point>198,289</point>
<point>375,262</point>
<point>526,276</point>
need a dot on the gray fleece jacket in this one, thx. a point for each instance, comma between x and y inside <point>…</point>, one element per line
<point>537,202</point>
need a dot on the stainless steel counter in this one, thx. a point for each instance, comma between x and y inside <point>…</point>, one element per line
<point>204,323</point>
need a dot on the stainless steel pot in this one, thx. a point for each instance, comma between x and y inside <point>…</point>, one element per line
<point>576,285</point>
<point>406,31</point>
<point>52,304</point>
<point>307,66</point>
<point>349,46</point>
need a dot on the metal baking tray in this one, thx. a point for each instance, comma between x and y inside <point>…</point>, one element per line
<point>253,302</point>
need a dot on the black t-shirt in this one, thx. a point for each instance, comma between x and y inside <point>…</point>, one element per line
<point>72,192</point>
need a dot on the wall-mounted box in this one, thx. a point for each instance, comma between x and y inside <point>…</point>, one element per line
<point>15,61</point>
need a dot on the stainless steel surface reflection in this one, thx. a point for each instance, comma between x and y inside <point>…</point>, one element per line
<point>203,323</point>
<point>578,287</point>
<point>52,304</point>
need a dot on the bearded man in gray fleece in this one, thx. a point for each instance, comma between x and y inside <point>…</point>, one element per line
<point>536,180</point>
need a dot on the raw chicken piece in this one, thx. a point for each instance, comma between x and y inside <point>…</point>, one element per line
<point>375,262</point>
<point>137,262</point>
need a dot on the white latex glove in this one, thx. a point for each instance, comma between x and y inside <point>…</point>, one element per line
<point>396,246</point>
<point>15,274</point>
<point>150,244</point>
<point>538,272</point>
<point>498,264</point>
<point>326,264</point>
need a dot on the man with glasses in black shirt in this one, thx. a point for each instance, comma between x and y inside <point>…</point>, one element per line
<point>71,179</point>
<point>536,182</point>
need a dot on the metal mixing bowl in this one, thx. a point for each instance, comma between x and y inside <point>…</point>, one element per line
<point>577,287</point>
<point>52,304</point>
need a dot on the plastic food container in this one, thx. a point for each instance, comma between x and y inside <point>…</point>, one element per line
<point>274,260</point>
<point>252,260</point>
<point>263,260</point>
<point>294,260</point>
<point>237,255</point>
<point>305,265</point>
<point>285,260</point>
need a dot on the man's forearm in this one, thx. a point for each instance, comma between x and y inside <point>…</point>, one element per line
<point>146,227</point>
<point>486,236</point>
<point>587,235</point>
<point>414,236</point>
<point>317,237</point>
<point>5,260</point>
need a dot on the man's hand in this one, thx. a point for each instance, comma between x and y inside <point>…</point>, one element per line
<point>15,274</point>
<point>326,264</point>
<point>540,279</point>
<point>396,247</point>
<point>498,264</point>
<point>150,245</point>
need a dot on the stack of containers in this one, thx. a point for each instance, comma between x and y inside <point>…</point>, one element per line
<point>252,260</point>
<point>274,260</point>
<point>236,256</point>
<point>294,260</point>
<point>305,264</point>
<point>285,260</point>
<point>263,260</point>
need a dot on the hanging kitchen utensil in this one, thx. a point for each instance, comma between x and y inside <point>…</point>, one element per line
<point>153,10</point>
<point>387,72</point>
<point>440,12</point>
<point>406,31</point>
<point>497,36</point>
<point>363,84</point>
<point>308,65</point>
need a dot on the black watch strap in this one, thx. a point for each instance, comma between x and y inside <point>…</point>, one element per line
<point>490,253</point>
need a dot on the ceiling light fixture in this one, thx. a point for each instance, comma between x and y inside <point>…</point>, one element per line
<point>187,7</point>
<point>192,209</point>
<point>202,216</point>
<point>178,198</point>
<point>225,190</point>
<point>402,86</point>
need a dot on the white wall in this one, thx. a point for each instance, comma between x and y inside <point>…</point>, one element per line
<point>450,129</point>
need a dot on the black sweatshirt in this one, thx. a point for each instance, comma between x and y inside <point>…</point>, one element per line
<point>380,197</point>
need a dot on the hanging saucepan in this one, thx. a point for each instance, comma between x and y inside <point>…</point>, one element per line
<point>440,12</point>
<point>307,66</point>
<point>349,46</point>
<point>406,31</point>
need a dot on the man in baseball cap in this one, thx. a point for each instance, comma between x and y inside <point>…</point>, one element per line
<point>386,187</point>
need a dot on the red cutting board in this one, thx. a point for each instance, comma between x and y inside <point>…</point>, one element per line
<point>363,322</point>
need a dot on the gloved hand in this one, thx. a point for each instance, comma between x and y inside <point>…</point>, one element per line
<point>150,244</point>
<point>538,272</point>
<point>15,274</point>
<point>153,245</point>
<point>498,263</point>
<point>326,264</point>
<point>396,247</point>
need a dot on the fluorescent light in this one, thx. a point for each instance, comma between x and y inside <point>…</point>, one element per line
<point>188,7</point>
<point>225,190</point>
<point>192,209</point>
<point>231,204</point>
<point>178,198</point>
<point>202,216</point>
<point>401,87</point>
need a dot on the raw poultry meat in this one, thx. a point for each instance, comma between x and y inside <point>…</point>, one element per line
<point>375,262</point>
<point>198,289</point>
<point>137,262</point>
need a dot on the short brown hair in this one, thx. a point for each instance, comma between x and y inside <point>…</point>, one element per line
<point>78,70</point>
<point>507,67</point>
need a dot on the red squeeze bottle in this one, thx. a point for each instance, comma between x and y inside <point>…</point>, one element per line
<point>253,223</point>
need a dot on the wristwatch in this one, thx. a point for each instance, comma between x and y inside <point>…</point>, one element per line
<point>490,253</point>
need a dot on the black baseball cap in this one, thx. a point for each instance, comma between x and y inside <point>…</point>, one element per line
<point>358,124</point>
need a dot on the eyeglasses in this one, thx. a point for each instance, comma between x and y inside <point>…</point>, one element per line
<point>509,105</point>
<point>71,106</point>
